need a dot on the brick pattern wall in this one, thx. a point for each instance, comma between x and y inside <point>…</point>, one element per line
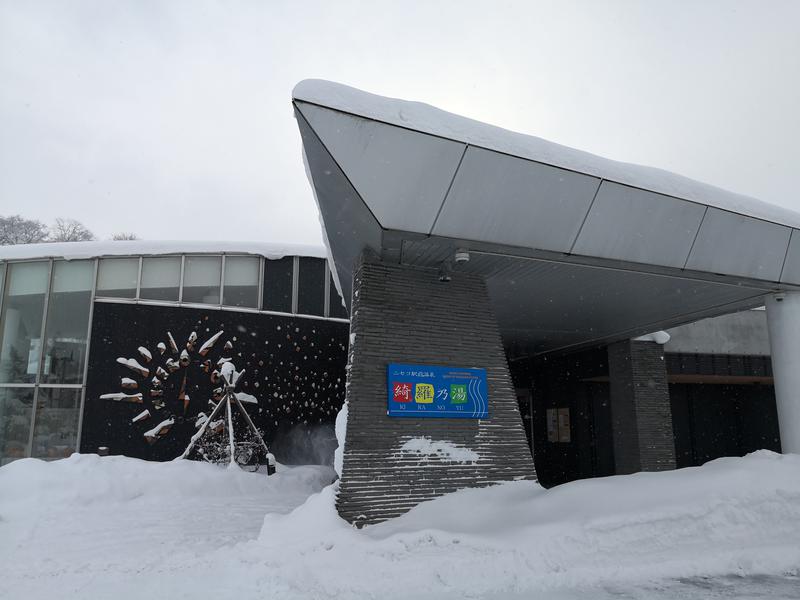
<point>404,314</point>
<point>640,407</point>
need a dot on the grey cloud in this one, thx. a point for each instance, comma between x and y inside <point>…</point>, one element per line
<point>173,119</point>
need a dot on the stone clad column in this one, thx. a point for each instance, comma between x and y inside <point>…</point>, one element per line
<point>783,322</point>
<point>641,414</point>
<point>406,315</point>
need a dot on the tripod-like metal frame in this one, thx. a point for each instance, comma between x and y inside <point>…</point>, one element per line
<point>228,400</point>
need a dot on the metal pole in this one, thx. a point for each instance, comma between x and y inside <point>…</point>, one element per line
<point>250,423</point>
<point>783,322</point>
<point>200,433</point>
<point>228,395</point>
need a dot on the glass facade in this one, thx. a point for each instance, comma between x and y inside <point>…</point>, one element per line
<point>201,279</point>
<point>67,330</point>
<point>117,277</point>
<point>21,321</point>
<point>241,281</point>
<point>161,278</point>
<point>16,406</point>
<point>46,313</point>
<point>55,430</point>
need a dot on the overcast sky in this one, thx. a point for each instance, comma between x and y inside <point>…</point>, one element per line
<point>172,119</point>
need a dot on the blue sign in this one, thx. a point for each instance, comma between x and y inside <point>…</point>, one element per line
<point>430,391</point>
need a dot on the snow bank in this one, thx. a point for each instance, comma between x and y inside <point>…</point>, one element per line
<point>78,250</point>
<point>96,528</point>
<point>731,516</point>
<point>441,449</point>
<point>85,479</point>
<point>423,117</point>
<point>341,434</point>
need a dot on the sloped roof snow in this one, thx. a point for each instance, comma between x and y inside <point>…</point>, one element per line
<point>428,119</point>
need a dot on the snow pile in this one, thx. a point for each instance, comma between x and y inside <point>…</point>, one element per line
<point>444,450</point>
<point>659,337</point>
<point>246,398</point>
<point>429,119</point>
<point>107,527</point>
<point>731,516</point>
<point>94,527</point>
<point>341,433</point>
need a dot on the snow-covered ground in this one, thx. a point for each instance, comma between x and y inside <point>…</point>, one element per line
<point>83,525</point>
<point>113,527</point>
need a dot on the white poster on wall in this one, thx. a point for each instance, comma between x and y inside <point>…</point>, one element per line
<point>552,425</point>
<point>34,353</point>
<point>558,427</point>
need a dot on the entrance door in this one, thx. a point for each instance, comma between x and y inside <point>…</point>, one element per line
<point>525,402</point>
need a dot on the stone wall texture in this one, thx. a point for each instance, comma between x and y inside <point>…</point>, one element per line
<point>406,315</point>
<point>641,413</point>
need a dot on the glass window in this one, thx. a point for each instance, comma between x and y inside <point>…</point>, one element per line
<point>116,277</point>
<point>21,321</point>
<point>278,276</point>
<point>201,275</point>
<point>335,307</point>
<point>311,286</point>
<point>55,429</point>
<point>67,322</point>
<point>160,278</point>
<point>16,409</point>
<point>241,281</point>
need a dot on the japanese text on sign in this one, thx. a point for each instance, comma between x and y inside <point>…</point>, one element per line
<point>434,391</point>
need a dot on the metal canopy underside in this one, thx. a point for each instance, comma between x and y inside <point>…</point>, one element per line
<point>570,258</point>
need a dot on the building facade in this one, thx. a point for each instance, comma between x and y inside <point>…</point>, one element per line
<point>72,327</point>
<point>712,379</point>
<point>101,344</point>
<point>576,260</point>
<point>451,244</point>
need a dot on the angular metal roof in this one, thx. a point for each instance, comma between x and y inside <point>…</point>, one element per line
<point>575,249</point>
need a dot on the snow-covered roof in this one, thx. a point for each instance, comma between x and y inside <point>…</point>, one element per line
<point>78,250</point>
<point>574,249</point>
<point>426,118</point>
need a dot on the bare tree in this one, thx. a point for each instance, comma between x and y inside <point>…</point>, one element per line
<point>16,230</point>
<point>70,230</point>
<point>124,235</point>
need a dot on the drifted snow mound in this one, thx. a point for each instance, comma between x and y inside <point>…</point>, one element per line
<point>90,527</point>
<point>87,479</point>
<point>114,527</point>
<point>341,434</point>
<point>425,447</point>
<point>730,516</point>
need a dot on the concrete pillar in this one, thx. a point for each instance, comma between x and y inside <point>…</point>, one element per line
<point>641,414</point>
<point>783,322</point>
<point>406,315</point>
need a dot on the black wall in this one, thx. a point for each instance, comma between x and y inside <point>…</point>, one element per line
<point>560,381</point>
<point>722,420</point>
<point>709,420</point>
<point>294,366</point>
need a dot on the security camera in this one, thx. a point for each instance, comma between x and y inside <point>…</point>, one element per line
<point>461,256</point>
<point>779,297</point>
